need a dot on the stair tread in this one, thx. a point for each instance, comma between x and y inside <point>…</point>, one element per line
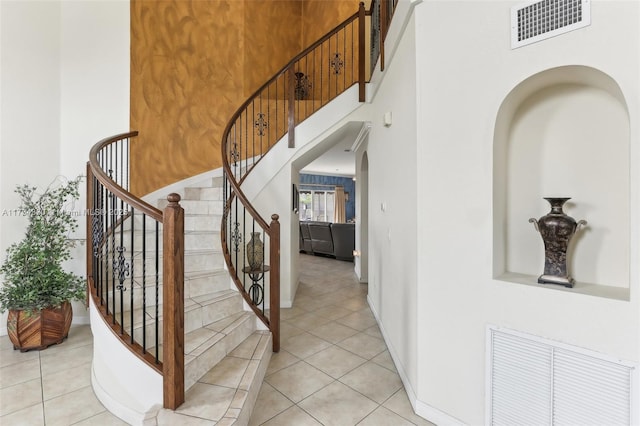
<point>240,373</point>
<point>204,273</point>
<point>190,304</point>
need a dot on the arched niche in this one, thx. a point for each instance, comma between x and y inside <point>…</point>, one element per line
<point>563,132</point>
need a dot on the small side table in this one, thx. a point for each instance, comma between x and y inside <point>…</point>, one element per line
<point>256,291</point>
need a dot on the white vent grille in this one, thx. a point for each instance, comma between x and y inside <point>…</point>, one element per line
<point>534,381</point>
<point>532,22</point>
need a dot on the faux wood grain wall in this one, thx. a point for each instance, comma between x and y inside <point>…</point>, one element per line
<point>193,63</point>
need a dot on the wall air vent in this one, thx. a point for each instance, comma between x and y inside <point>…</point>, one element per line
<point>536,381</point>
<point>535,21</point>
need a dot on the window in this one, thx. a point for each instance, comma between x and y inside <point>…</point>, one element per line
<point>316,205</point>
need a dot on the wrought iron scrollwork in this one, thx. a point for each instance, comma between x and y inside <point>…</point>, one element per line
<point>235,154</point>
<point>121,268</point>
<point>97,233</point>
<point>336,63</point>
<point>261,124</point>
<point>256,293</point>
<point>302,87</point>
<point>236,237</point>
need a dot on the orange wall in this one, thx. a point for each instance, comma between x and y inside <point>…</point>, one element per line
<point>320,16</point>
<point>193,63</point>
<point>272,39</point>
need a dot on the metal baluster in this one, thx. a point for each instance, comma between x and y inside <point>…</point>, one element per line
<point>131,260</point>
<point>157,323</point>
<point>144,283</point>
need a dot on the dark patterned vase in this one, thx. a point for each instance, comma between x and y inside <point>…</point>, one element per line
<point>255,251</point>
<point>556,229</point>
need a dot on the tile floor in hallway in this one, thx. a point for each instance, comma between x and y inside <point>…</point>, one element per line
<point>333,367</point>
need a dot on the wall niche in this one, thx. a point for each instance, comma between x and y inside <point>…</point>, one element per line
<point>564,132</point>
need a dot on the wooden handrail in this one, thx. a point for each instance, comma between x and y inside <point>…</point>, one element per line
<point>235,152</point>
<point>121,193</point>
<point>109,192</point>
<point>281,72</point>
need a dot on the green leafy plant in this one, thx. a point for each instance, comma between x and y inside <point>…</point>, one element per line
<point>33,274</point>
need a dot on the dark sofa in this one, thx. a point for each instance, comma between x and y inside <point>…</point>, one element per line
<point>330,239</point>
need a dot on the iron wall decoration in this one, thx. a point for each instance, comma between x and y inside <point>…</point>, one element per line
<point>302,88</point>
<point>556,229</point>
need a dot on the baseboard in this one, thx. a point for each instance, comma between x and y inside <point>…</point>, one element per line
<point>436,416</point>
<point>420,408</point>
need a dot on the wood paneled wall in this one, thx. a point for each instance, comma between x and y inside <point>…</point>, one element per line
<point>193,63</point>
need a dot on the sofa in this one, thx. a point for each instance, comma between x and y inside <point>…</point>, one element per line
<point>336,240</point>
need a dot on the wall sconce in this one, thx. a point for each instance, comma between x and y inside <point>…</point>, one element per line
<point>356,253</point>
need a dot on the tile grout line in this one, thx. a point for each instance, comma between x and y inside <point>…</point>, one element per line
<point>44,418</point>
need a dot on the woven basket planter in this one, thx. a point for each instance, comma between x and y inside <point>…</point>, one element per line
<point>39,330</point>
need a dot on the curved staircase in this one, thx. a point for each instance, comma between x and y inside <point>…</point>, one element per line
<point>200,318</point>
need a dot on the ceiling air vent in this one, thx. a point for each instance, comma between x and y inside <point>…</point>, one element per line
<point>535,21</point>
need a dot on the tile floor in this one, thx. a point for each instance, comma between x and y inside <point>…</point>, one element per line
<point>333,367</point>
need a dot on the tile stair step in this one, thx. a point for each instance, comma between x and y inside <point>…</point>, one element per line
<point>210,344</point>
<point>248,368</point>
<point>202,222</point>
<point>199,312</point>
<point>194,260</point>
<point>193,240</point>
<point>203,193</point>
<point>203,282</point>
<point>213,207</point>
<point>197,283</point>
<point>207,346</point>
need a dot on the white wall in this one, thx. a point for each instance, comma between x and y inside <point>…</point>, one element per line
<point>393,215</point>
<point>64,85</point>
<point>94,87</point>
<point>465,70</point>
<point>30,115</point>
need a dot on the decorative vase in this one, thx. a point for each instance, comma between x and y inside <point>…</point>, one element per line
<point>39,330</point>
<point>556,229</point>
<point>255,251</point>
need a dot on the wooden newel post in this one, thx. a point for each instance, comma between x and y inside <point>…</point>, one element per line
<point>274,281</point>
<point>173,303</point>
<point>361,52</point>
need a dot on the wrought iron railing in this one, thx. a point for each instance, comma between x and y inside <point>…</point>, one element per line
<point>312,79</point>
<point>135,264</point>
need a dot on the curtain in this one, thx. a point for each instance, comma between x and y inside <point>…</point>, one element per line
<point>339,212</point>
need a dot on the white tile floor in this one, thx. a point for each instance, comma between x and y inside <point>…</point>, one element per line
<point>333,367</point>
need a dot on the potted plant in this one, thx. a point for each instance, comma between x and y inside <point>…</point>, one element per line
<point>36,290</point>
